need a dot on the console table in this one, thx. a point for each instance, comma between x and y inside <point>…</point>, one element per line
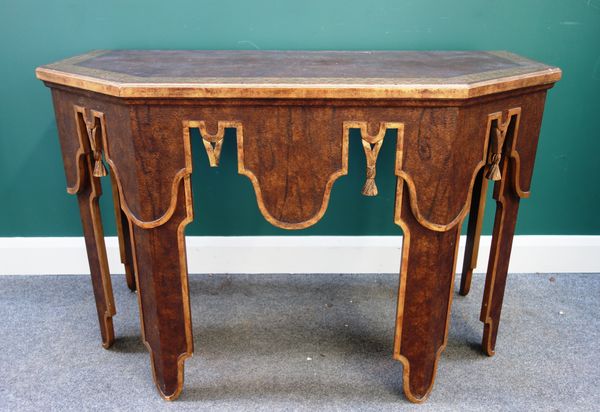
<point>459,118</point>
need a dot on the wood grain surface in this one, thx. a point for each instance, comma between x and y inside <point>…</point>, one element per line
<point>293,150</point>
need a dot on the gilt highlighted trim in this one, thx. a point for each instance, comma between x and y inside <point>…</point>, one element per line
<point>372,146</point>
<point>497,139</point>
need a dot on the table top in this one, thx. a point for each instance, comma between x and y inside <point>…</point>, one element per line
<point>298,74</point>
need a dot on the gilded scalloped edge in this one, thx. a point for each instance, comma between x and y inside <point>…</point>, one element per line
<point>343,171</point>
<point>415,207</point>
<point>181,174</point>
<point>412,191</point>
<point>254,180</point>
<point>347,125</point>
<point>514,155</point>
<point>222,125</point>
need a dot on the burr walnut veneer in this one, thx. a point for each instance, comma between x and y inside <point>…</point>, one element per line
<point>459,120</point>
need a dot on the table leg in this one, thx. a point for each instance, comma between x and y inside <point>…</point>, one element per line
<point>473,231</point>
<point>123,235</point>
<point>88,195</point>
<point>507,205</point>
<point>424,300</point>
<point>160,265</point>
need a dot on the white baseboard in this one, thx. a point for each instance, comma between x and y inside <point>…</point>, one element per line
<point>298,254</point>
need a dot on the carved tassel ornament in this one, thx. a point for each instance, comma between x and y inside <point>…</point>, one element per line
<point>497,138</point>
<point>371,153</point>
<point>371,145</point>
<point>99,168</point>
<point>495,155</point>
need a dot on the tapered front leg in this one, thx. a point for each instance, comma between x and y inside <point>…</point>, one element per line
<point>473,231</point>
<point>424,300</point>
<point>507,206</point>
<point>510,164</point>
<point>504,227</point>
<point>96,253</point>
<point>160,265</point>
<point>80,132</point>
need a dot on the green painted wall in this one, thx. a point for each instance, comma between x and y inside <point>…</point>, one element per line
<point>566,188</point>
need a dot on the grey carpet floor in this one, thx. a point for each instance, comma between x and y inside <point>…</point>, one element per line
<point>299,342</point>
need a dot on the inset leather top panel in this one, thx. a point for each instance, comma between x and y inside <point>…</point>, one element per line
<point>298,74</point>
